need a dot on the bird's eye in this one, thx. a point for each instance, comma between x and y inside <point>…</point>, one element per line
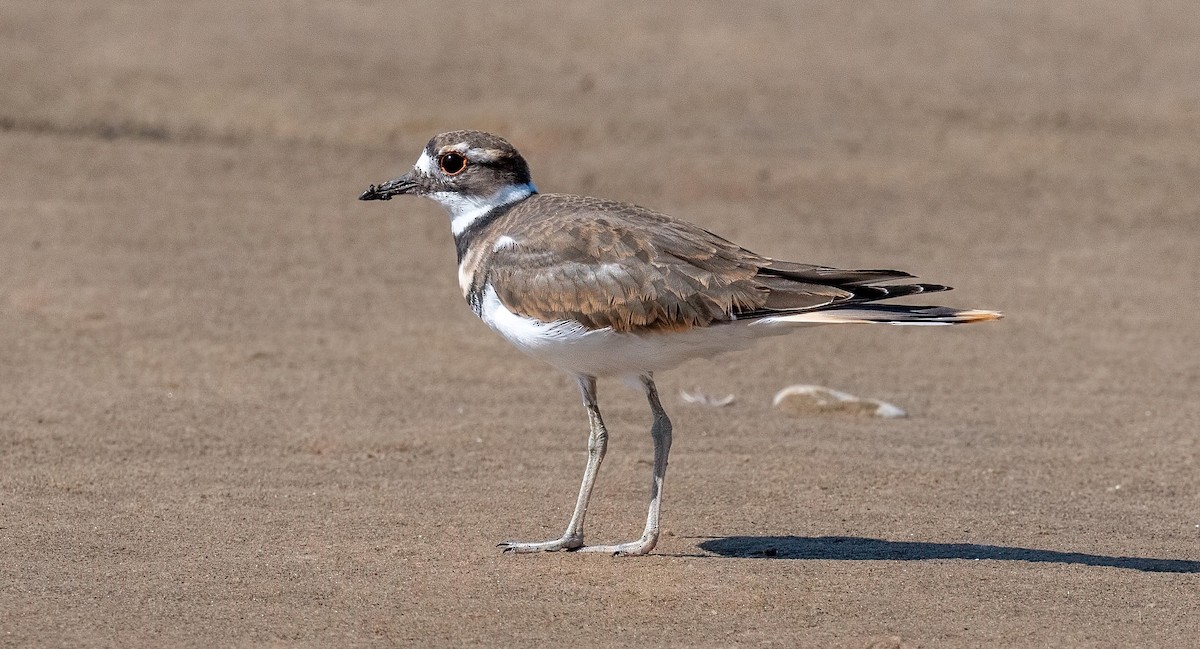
<point>452,164</point>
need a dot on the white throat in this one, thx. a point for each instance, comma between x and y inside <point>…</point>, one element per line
<point>465,210</point>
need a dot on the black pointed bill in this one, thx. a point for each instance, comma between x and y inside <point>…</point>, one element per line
<point>403,185</point>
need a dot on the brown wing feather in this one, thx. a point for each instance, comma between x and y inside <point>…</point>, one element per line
<point>607,264</point>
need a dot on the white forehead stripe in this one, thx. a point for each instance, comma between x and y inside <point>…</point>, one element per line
<point>424,164</point>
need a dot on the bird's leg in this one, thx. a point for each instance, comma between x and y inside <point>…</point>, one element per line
<point>572,539</point>
<point>660,431</point>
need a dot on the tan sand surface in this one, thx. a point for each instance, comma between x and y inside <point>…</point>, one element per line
<point>240,408</point>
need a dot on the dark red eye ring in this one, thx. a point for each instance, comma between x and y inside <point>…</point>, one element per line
<point>452,163</point>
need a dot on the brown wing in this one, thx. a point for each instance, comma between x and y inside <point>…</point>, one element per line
<point>607,264</point>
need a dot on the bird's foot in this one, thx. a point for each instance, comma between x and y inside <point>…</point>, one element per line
<point>633,548</point>
<point>575,544</point>
<point>565,544</point>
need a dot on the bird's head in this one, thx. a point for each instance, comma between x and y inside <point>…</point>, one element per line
<point>464,171</point>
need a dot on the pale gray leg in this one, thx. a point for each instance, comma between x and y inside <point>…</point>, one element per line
<point>572,539</point>
<point>660,431</point>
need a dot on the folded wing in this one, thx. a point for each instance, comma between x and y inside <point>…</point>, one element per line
<point>615,265</point>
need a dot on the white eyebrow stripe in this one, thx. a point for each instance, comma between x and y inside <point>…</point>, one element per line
<point>483,155</point>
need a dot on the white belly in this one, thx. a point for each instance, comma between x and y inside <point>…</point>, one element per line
<point>571,347</point>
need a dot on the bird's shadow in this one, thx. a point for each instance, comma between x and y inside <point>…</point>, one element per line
<point>852,548</point>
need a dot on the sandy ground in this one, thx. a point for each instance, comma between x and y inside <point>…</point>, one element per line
<point>240,408</point>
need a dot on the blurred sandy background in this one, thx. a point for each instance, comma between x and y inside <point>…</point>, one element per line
<point>240,408</point>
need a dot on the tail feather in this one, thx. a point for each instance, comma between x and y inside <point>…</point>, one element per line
<point>895,314</point>
<point>806,294</point>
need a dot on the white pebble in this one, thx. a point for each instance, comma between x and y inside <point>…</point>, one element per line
<point>815,399</point>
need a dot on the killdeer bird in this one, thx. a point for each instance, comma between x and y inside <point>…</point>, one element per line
<point>600,288</point>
